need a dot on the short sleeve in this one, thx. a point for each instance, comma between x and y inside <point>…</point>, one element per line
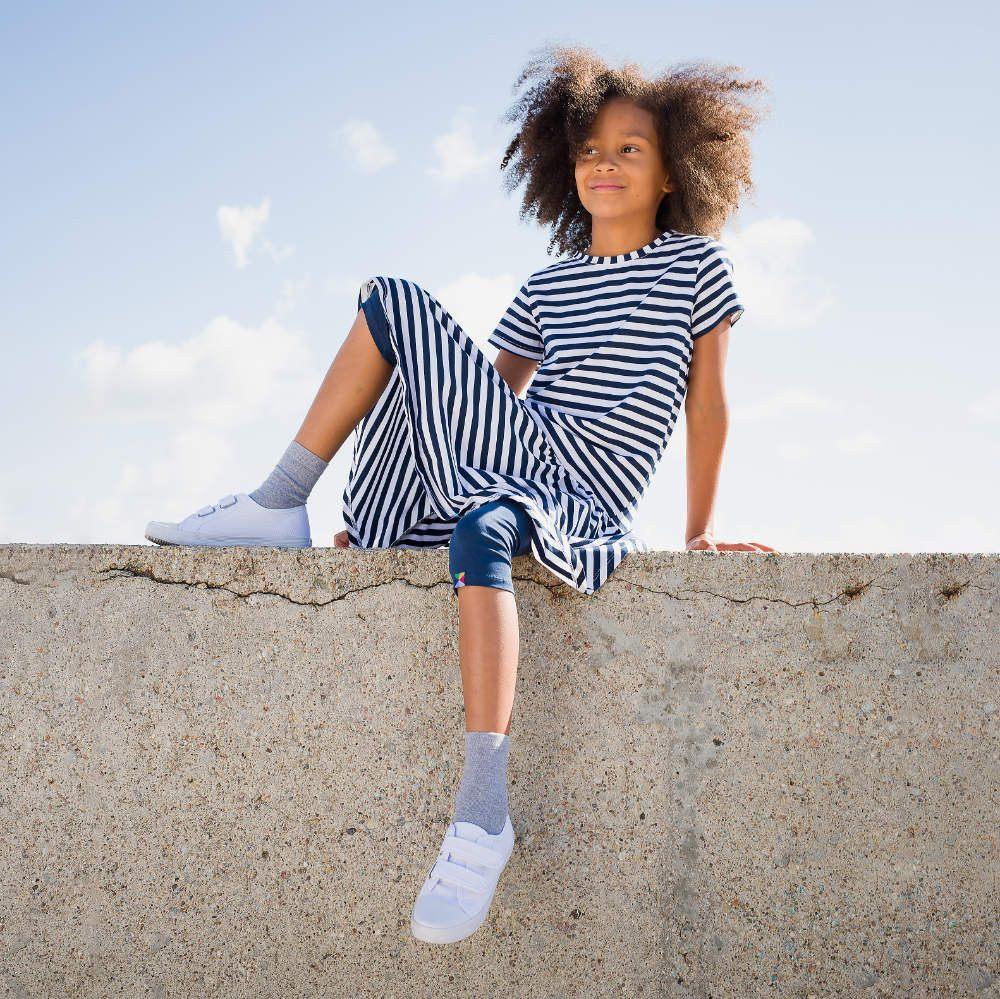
<point>518,329</point>
<point>715,294</point>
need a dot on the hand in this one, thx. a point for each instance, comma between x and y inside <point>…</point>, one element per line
<point>706,543</point>
<point>340,540</point>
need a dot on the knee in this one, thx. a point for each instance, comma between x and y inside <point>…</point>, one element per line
<point>477,530</point>
<point>501,528</point>
<point>480,549</point>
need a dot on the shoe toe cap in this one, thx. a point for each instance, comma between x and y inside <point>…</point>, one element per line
<point>439,913</point>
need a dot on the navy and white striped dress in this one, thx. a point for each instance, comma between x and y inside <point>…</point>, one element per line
<point>614,338</point>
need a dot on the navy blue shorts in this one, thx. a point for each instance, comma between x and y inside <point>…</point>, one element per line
<point>375,317</point>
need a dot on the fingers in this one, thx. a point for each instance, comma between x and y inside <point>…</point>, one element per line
<point>732,546</point>
<point>759,546</point>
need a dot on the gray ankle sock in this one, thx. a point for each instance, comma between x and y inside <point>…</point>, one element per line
<point>292,480</point>
<point>482,793</point>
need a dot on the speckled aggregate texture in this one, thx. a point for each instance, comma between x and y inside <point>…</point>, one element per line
<point>227,772</point>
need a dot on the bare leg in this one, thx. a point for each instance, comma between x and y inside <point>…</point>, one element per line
<point>353,384</point>
<point>488,644</point>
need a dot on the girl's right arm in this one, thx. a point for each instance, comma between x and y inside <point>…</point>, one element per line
<point>515,369</point>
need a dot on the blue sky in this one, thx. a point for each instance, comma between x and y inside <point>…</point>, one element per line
<point>193,194</point>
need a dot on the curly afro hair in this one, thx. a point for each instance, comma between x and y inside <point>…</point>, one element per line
<point>702,122</point>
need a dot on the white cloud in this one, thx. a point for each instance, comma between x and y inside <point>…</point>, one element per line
<point>216,395</point>
<point>772,277</point>
<point>371,152</point>
<point>241,226</point>
<point>456,152</point>
<point>476,303</point>
<point>221,377</point>
<point>172,477</point>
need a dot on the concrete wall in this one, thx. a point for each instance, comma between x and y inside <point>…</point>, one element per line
<point>226,772</point>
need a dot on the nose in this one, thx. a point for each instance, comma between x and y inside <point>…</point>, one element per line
<point>605,163</point>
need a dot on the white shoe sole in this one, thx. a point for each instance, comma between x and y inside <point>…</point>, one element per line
<point>166,534</point>
<point>450,934</point>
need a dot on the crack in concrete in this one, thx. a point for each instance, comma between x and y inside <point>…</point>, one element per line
<point>11,578</point>
<point>551,587</point>
<point>116,571</point>
<point>849,592</point>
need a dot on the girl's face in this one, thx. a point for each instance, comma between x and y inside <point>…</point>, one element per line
<point>622,152</point>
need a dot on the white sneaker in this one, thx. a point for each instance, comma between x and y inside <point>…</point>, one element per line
<point>236,520</point>
<point>456,895</point>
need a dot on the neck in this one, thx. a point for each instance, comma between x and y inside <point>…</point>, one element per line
<point>611,238</point>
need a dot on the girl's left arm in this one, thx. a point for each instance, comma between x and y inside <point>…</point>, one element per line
<point>706,412</point>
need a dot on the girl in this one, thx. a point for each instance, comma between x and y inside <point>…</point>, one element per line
<point>549,449</point>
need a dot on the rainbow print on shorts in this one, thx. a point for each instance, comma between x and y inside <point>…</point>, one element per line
<point>459,579</point>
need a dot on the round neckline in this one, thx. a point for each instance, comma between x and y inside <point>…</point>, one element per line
<point>589,258</point>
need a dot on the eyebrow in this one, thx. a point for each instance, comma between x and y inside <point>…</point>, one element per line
<point>632,135</point>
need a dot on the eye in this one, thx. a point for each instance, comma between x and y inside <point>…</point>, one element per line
<point>628,145</point>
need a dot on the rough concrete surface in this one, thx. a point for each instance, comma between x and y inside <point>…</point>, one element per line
<point>227,772</point>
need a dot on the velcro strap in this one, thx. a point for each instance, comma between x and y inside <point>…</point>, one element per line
<point>472,853</point>
<point>457,875</point>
